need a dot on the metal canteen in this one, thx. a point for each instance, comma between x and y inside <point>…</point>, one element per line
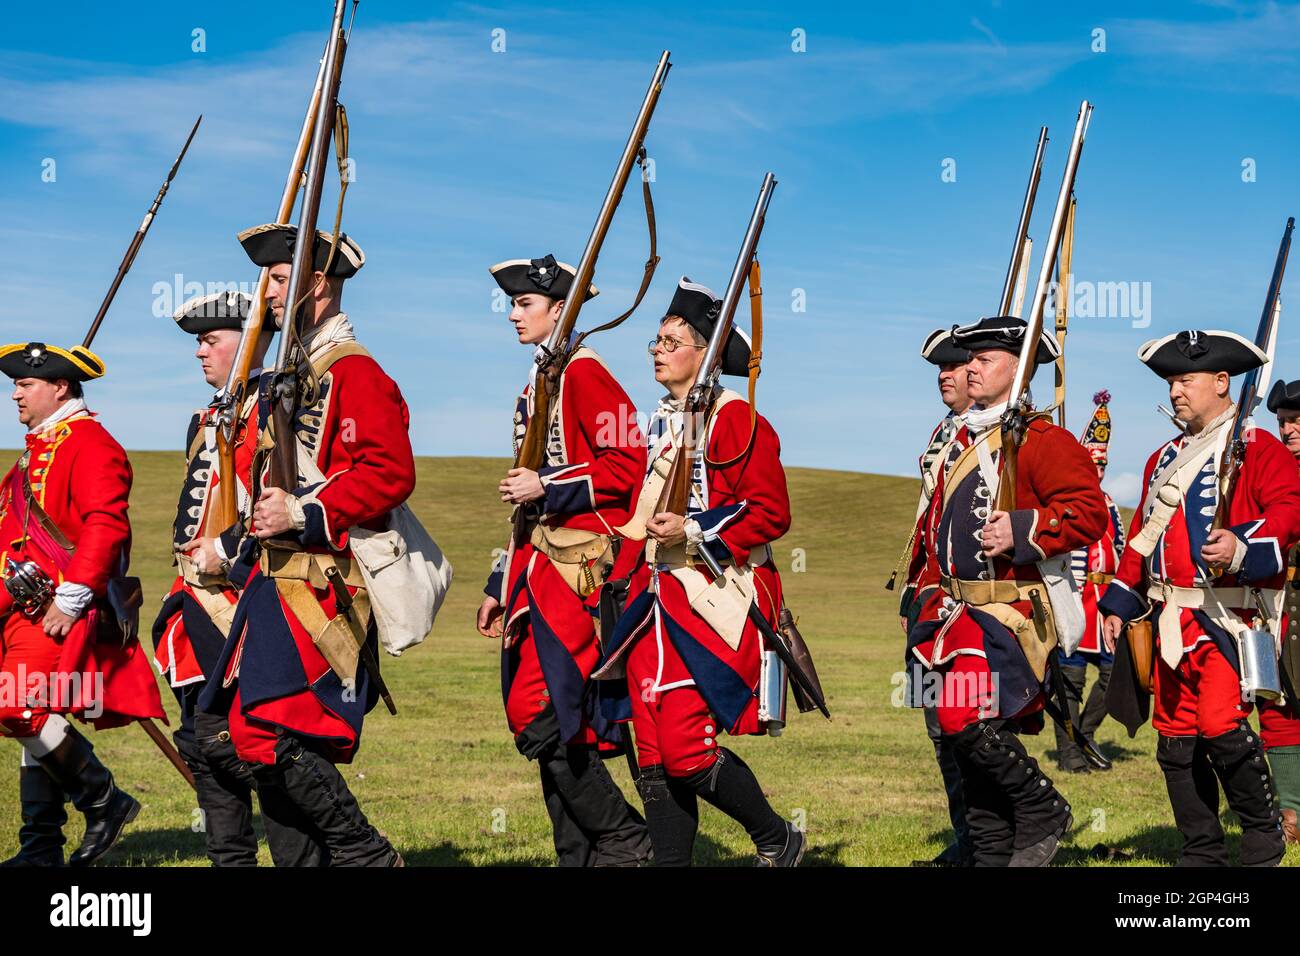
<point>771,694</point>
<point>1260,677</point>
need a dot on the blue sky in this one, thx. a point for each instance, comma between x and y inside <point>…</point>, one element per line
<point>466,157</point>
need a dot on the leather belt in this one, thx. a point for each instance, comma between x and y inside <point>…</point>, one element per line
<point>978,593</point>
<point>310,567</point>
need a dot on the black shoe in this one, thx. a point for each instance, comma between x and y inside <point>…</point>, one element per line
<point>107,808</point>
<point>788,854</point>
<point>1096,759</point>
<point>41,837</point>
<point>105,822</point>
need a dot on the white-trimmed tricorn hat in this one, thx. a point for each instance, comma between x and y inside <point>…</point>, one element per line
<point>217,310</point>
<point>1197,350</point>
<point>274,242</point>
<point>544,276</point>
<point>939,349</point>
<point>1004,333</point>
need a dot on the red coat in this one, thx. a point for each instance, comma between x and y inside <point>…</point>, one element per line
<point>595,458</point>
<point>81,477</point>
<point>1264,513</point>
<point>358,432</point>
<point>747,508</point>
<point>1060,507</point>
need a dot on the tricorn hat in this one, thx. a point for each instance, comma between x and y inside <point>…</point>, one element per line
<point>1201,351</point>
<point>1097,435</point>
<point>544,276</point>
<point>49,362</point>
<point>938,349</point>
<point>698,307</point>
<point>1004,333</point>
<point>209,313</point>
<point>274,242</point>
<point>1285,397</point>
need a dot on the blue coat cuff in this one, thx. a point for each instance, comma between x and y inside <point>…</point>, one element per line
<point>568,490</point>
<point>493,587</point>
<point>1264,557</point>
<point>1024,522</point>
<point>1122,601</point>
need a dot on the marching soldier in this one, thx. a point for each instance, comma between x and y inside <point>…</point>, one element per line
<point>938,350</point>
<point>693,674</point>
<point>1166,572</point>
<point>64,541</point>
<point>977,628</point>
<point>543,598</point>
<point>292,716</point>
<point>1094,569</point>
<point>194,621</point>
<point>1279,723</point>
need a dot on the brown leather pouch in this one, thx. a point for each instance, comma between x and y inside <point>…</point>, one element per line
<point>801,654</point>
<point>119,611</point>
<point>1142,651</point>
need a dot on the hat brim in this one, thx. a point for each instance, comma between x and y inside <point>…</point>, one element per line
<point>1227,352</point>
<point>76,364</point>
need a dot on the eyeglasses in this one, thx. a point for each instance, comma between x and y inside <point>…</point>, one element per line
<point>670,344</point>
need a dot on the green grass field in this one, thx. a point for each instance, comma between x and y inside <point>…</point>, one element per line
<point>444,781</point>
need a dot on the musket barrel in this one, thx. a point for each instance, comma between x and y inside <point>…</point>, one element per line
<point>1022,227</point>
<point>247,343</point>
<point>1034,323</point>
<point>304,250</point>
<point>736,283</point>
<point>586,269</point>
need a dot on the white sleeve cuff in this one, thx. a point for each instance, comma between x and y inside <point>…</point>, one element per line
<point>694,536</point>
<point>1239,556</point>
<point>72,599</point>
<point>296,515</point>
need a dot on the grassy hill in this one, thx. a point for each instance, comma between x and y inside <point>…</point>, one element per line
<point>444,781</point>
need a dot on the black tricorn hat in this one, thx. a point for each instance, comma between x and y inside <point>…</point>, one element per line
<point>938,349</point>
<point>50,363</point>
<point>274,243</point>
<point>210,313</point>
<point>1201,351</point>
<point>542,276</point>
<point>1285,397</point>
<point>1004,333</point>
<point>697,306</point>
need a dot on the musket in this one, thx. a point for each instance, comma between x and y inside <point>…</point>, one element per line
<point>1016,420</point>
<point>1019,253</point>
<point>223,511</point>
<point>1249,396</point>
<point>556,352</point>
<point>675,497</point>
<point>283,465</point>
<point>1064,280</point>
<point>137,240</point>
